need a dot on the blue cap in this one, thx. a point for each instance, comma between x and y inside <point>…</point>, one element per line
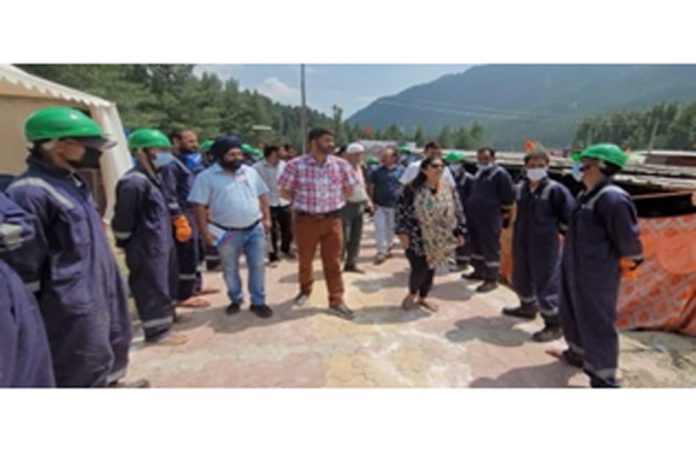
<point>223,144</point>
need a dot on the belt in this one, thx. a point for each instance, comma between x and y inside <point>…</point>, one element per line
<point>318,216</point>
<point>246,228</point>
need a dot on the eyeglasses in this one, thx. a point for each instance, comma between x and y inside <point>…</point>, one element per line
<point>436,165</point>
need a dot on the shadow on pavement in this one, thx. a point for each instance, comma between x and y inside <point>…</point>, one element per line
<point>493,330</point>
<point>388,315</point>
<point>396,280</point>
<point>452,291</point>
<point>551,375</point>
<point>220,322</point>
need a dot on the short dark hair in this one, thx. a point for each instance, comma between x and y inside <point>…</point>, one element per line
<point>179,133</point>
<point>318,132</point>
<point>431,145</point>
<point>488,149</point>
<point>37,146</point>
<point>537,155</point>
<point>269,149</point>
<point>288,146</point>
<point>342,150</point>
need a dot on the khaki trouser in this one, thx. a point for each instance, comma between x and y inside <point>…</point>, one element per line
<point>327,232</point>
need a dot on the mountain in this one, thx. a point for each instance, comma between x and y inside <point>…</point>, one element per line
<point>543,102</point>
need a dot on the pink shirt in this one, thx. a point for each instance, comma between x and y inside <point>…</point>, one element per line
<point>317,188</point>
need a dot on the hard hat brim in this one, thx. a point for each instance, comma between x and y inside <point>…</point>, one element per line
<point>101,144</point>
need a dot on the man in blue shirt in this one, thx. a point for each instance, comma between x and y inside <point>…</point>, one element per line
<point>237,203</point>
<point>384,188</point>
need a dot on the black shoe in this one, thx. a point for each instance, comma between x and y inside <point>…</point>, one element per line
<point>262,311</point>
<point>523,311</point>
<point>342,311</point>
<point>487,286</point>
<point>473,276</point>
<point>137,384</point>
<point>548,334</point>
<point>290,255</point>
<point>233,308</point>
<point>353,269</point>
<point>273,258</point>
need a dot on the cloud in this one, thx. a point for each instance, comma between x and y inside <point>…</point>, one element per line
<point>279,91</point>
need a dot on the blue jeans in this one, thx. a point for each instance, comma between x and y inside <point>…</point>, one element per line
<point>253,244</point>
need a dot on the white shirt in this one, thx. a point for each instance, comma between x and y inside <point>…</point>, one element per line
<point>270,175</point>
<point>232,199</point>
<point>359,193</point>
<point>413,169</point>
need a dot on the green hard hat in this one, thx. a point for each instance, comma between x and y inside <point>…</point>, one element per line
<point>249,149</point>
<point>61,122</point>
<point>148,138</point>
<point>206,145</point>
<point>405,150</point>
<point>607,152</point>
<point>372,160</point>
<point>454,157</point>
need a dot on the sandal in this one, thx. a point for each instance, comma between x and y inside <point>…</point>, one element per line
<point>193,302</point>
<point>408,302</point>
<point>428,305</point>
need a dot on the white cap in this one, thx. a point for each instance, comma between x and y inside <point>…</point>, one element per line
<point>355,148</point>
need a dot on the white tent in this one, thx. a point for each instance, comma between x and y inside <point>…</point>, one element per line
<point>21,93</point>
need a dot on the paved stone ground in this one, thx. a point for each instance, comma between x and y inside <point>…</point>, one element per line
<point>466,344</point>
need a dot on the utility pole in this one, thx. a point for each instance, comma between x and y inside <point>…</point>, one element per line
<point>303,113</point>
<point>653,133</point>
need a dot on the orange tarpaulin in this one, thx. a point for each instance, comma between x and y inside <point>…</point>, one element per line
<point>663,297</point>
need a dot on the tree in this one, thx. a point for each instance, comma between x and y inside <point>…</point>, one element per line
<point>166,96</point>
<point>419,137</point>
<point>445,138</point>
<point>337,124</point>
<point>462,139</point>
<point>663,125</point>
<point>393,132</point>
<point>477,135</point>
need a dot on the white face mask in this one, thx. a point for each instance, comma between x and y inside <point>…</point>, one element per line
<point>536,174</point>
<point>162,159</point>
<point>484,166</point>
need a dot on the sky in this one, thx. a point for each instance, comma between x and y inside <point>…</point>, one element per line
<point>350,86</point>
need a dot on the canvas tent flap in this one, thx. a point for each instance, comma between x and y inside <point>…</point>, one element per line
<point>16,82</point>
<point>22,93</point>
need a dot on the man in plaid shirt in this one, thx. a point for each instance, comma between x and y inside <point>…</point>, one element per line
<point>317,184</point>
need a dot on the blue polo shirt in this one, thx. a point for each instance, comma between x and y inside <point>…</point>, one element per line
<point>387,186</point>
<point>232,199</point>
